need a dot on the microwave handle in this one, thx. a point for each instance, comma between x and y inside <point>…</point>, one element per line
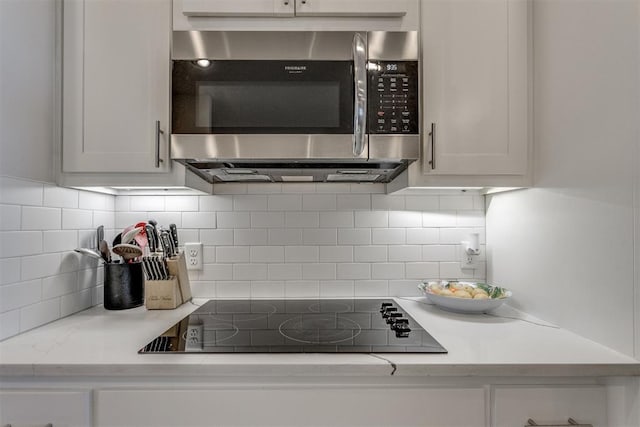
<point>360,89</point>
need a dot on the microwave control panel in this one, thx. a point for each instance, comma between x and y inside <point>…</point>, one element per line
<point>393,97</point>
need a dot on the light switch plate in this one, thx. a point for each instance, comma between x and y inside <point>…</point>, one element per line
<point>193,254</point>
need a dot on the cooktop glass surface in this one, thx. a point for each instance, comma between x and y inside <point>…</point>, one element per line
<point>296,326</point>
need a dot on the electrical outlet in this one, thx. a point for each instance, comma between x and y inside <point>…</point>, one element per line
<point>194,337</point>
<point>193,254</point>
<point>467,261</point>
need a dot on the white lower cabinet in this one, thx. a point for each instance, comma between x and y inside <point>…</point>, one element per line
<point>514,406</point>
<point>298,406</point>
<point>22,408</point>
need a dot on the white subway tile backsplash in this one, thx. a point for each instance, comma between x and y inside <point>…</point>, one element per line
<point>405,219</point>
<point>203,288</point>
<point>422,270</point>
<point>456,202</point>
<point>60,240</point>
<point>250,237</point>
<point>319,202</point>
<point>387,203</point>
<point>38,314</point>
<point>285,271</point>
<point>216,203</point>
<point>388,236</point>
<point>302,289</point>
<point>249,203</point>
<point>233,220</point>
<point>353,202</point>
<point>470,219</point>
<point>104,218</point>
<point>198,220</point>
<point>10,217</point>
<point>333,188</point>
<point>123,204</point>
<point>301,219</point>
<point>321,271</point>
<point>405,253</point>
<point>336,254</point>
<point>387,271</point>
<point>300,254</point>
<point>267,219</point>
<point>354,236</point>
<point>192,235</point>
<point>423,236</point>
<point>370,254</point>
<point>422,203</point>
<point>216,237</point>
<point>284,202</point>
<point>74,219</point>
<point>251,272</point>
<point>125,219</point>
<point>453,236</point>
<point>236,289</point>
<point>375,219</point>
<point>9,270</point>
<point>233,254</point>
<point>147,203</point>
<point>20,192</point>
<point>20,294</point>
<point>371,288</point>
<point>264,188</point>
<point>9,324</point>
<point>95,201</point>
<point>89,278</point>
<point>285,236</point>
<point>58,197</point>
<point>336,219</point>
<point>72,303</point>
<point>38,218</point>
<point>337,288</point>
<point>439,253</point>
<point>208,254</point>
<point>218,271</point>
<point>20,243</point>
<point>272,289</point>
<point>320,236</point>
<point>60,284</point>
<point>182,203</point>
<point>404,288</point>
<point>268,254</point>
<point>353,271</point>
<point>163,218</point>
<point>439,219</point>
<point>299,188</point>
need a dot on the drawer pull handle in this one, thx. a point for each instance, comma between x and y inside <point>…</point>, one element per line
<point>570,422</point>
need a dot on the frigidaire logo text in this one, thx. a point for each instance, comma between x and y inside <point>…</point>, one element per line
<point>295,67</point>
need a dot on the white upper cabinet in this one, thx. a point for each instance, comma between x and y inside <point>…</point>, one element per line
<point>295,7</point>
<point>238,7</point>
<point>475,85</point>
<point>298,15</point>
<point>475,95</point>
<point>116,82</point>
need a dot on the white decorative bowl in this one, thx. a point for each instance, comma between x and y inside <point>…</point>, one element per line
<point>462,305</point>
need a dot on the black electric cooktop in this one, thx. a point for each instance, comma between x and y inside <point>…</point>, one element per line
<point>296,326</point>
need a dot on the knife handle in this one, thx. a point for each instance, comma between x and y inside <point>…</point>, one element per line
<point>151,239</point>
<point>174,235</point>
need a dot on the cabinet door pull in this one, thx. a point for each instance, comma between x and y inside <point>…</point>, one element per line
<point>432,162</point>
<point>570,422</point>
<point>158,133</point>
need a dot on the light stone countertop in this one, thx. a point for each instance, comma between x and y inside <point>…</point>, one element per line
<point>101,343</point>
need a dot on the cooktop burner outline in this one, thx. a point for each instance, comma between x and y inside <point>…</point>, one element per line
<point>356,325</point>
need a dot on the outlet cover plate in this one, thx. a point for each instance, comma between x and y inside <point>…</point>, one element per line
<point>193,255</point>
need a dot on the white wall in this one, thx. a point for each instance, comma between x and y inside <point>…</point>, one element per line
<point>27,76</point>
<point>567,247</point>
<point>325,240</point>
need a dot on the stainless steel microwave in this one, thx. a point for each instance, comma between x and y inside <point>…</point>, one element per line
<point>295,106</point>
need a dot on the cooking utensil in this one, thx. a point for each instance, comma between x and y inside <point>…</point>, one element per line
<point>127,251</point>
<point>117,240</point>
<point>156,237</point>
<point>128,236</point>
<point>99,235</point>
<point>89,252</point>
<point>104,250</point>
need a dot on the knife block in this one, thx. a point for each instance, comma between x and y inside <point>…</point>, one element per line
<point>169,294</point>
<point>162,294</point>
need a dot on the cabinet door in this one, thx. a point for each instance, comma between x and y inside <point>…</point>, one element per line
<point>116,85</point>
<point>475,59</point>
<point>352,7</point>
<point>57,408</point>
<point>238,8</point>
<point>514,406</point>
<point>299,407</point>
